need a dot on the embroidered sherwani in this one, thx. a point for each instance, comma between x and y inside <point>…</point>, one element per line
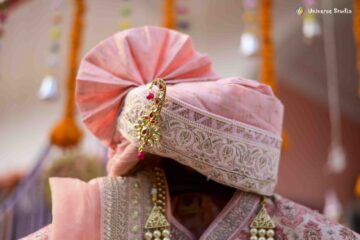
<point>228,130</point>
<point>124,204</point>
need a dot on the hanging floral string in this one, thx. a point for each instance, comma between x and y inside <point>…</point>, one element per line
<point>337,157</point>
<point>267,72</point>
<point>182,12</point>
<point>49,86</point>
<point>125,13</point>
<point>357,187</point>
<point>311,25</point>
<point>356,28</point>
<point>169,14</point>
<point>66,133</point>
<point>249,42</point>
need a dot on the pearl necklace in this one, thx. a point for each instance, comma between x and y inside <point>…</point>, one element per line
<point>262,227</point>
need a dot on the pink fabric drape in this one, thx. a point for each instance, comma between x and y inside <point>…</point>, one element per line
<point>76,209</point>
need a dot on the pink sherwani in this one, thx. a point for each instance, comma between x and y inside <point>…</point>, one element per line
<point>117,208</point>
<point>226,129</point>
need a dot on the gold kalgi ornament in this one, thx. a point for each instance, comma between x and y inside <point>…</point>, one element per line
<point>148,124</point>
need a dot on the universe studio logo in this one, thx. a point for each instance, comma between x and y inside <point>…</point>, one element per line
<point>299,11</point>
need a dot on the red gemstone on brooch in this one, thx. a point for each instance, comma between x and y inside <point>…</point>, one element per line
<point>141,155</point>
<point>150,96</point>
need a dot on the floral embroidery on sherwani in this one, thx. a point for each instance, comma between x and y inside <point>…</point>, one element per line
<point>232,224</point>
<point>312,231</point>
<point>293,221</point>
<point>126,205</point>
<point>347,234</point>
<point>290,215</point>
<point>117,196</point>
<point>279,234</point>
<point>296,222</point>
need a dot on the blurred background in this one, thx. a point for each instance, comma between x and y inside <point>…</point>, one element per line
<point>313,61</point>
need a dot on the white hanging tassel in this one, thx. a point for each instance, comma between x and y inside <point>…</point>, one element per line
<point>311,26</point>
<point>249,44</point>
<point>49,88</point>
<point>332,208</point>
<point>336,159</point>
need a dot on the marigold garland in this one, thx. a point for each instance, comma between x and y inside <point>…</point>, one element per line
<point>267,72</point>
<point>66,133</point>
<point>357,187</point>
<point>356,29</point>
<point>169,14</point>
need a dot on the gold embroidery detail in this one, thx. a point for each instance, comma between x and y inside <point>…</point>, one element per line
<point>262,220</point>
<point>115,208</point>
<point>156,219</point>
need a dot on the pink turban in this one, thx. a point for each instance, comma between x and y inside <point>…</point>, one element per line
<point>227,129</point>
<point>129,59</point>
